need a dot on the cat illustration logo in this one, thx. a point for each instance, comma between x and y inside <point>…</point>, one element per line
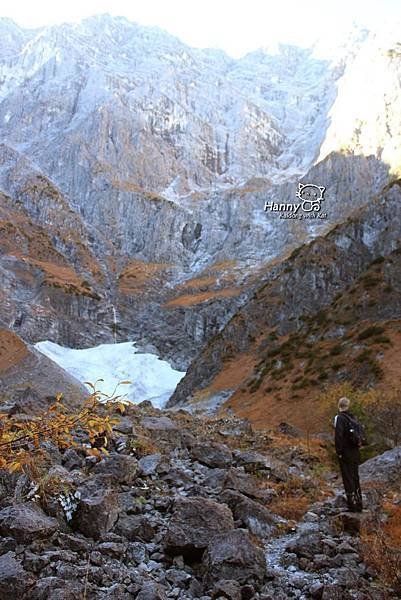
<point>311,196</point>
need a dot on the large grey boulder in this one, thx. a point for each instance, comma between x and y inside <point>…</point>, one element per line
<point>270,467</point>
<point>135,527</point>
<point>212,454</point>
<point>194,522</point>
<point>233,555</point>
<point>159,424</point>
<point>120,468</point>
<point>227,588</point>
<point>26,522</point>
<point>384,469</point>
<point>254,516</point>
<point>97,513</point>
<point>148,464</point>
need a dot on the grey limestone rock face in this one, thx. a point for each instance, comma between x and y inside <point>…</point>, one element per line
<point>123,143</point>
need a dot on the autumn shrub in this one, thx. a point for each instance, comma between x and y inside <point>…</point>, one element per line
<point>381,549</point>
<point>23,441</point>
<point>384,411</point>
<point>290,507</point>
<point>378,411</point>
<point>294,497</point>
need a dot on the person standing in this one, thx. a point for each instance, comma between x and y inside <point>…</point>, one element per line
<point>347,448</point>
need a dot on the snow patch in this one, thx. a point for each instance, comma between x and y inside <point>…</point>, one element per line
<point>152,379</point>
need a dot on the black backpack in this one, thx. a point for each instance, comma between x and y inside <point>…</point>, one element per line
<point>355,432</point>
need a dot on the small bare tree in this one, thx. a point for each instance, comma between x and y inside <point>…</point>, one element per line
<point>384,411</point>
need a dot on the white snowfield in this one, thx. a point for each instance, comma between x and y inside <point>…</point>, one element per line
<point>151,378</point>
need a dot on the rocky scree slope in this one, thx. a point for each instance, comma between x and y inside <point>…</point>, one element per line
<point>185,508</point>
<point>300,293</point>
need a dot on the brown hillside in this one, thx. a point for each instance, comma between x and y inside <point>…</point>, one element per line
<point>12,349</point>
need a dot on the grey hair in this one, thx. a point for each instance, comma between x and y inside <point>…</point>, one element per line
<point>343,403</point>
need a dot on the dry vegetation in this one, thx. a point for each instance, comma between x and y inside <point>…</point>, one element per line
<point>12,349</point>
<point>192,299</point>
<point>21,439</point>
<point>137,275</point>
<point>351,341</point>
<point>381,544</point>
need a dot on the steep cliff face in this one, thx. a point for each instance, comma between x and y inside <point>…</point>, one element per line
<point>300,288</point>
<point>149,164</point>
<point>110,98</point>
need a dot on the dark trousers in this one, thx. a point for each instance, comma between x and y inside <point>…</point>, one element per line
<point>350,475</point>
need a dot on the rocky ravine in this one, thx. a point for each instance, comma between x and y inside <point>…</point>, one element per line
<point>184,508</point>
<point>174,274</point>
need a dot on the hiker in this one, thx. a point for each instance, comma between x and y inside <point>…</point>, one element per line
<point>348,439</point>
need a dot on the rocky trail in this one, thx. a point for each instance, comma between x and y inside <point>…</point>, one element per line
<point>185,507</point>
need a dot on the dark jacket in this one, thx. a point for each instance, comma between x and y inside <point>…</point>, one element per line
<point>345,450</point>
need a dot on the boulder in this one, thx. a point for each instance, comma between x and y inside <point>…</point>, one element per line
<point>233,555</point>
<point>135,527</point>
<point>71,459</point>
<point>147,465</point>
<point>306,545</point>
<point>117,591</point>
<point>159,424</point>
<point>237,479</point>
<point>152,591</point>
<point>256,518</point>
<point>76,543</point>
<point>14,580</point>
<point>335,592</point>
<point>349,521</point>
<point>124,425</point>
<point>56,588</point>
<point>178,577</point>
<point>8,483</point>
<point>120,468</point>
<point>384,469</point>
<point>253,461</point>
<point>29,402</point>
<point>113,549</point>
<point>212,454</point>
<point>227,588</point>
<point>215,478</point>
<point>97,513</point>
<point>194,522</point>
<point>26,522</point>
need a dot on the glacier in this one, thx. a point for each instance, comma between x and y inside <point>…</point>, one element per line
<point>151,378</point>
